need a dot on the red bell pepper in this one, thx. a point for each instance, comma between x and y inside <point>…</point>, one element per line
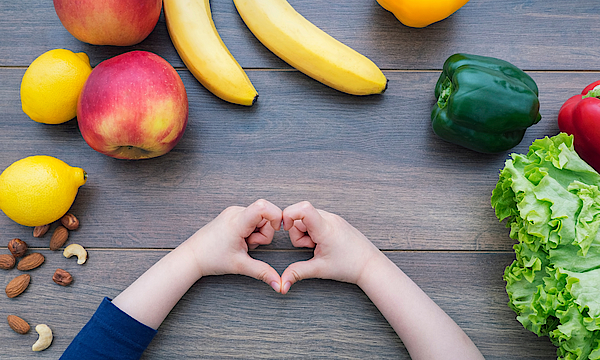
<point>580,116</point>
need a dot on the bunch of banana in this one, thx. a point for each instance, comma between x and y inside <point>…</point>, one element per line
<point>199,45</point>
<point>309,49</point>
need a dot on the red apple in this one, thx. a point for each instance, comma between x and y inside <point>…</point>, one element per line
<point>109,22</point>
<point>133,106</point>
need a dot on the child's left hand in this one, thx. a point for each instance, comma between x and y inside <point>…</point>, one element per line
<point>221,246</point>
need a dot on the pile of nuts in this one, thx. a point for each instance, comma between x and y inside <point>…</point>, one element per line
<point>18,249</point>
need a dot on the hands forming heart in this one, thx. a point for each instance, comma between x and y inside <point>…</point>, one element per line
<point>341,251</point>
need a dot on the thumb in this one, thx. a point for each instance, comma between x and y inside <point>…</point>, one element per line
<point>299,271</point>
<point>261,271</point>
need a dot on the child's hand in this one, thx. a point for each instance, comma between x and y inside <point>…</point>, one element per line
<point>341,251</point>
<point>221,246</point>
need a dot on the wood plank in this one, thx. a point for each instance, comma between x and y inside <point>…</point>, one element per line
<point>238,317</point>
<point>538,35</point>
<point>373,160</point>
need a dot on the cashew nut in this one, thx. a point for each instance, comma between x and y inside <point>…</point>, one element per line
<point>45,338</point>
<point>76,249</point>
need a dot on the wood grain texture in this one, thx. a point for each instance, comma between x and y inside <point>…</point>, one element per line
<point>535,35</point>
<point>372,160</point>
<point>239,317</point>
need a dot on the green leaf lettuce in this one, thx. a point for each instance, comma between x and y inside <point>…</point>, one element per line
<point>550,198</point>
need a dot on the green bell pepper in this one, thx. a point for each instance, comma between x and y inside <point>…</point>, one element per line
<point>484,104</point>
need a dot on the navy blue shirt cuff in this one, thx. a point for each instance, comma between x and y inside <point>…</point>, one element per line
<point>110,334</point>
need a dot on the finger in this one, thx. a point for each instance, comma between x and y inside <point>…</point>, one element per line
<point>305,211</point>
<point>299,237</point>
<point>300,225</point>
<point>299,271</point>
<point>260,271</point>
<point>262,236</point>
<point>262,223</point>
<point>257,212</point>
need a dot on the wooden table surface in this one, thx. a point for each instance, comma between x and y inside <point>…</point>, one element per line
<point>373,160</point>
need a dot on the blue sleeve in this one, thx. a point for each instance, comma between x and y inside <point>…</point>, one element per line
<point>110,334</point>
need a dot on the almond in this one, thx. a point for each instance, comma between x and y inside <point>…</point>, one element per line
<point>17,247</point>
<point>19,325</point>
<point>70,221</point>
<point>40,231</point>
<point>62,277</point>
<point>7,262</point>
<point>31,261</point>
<point>59,238</point>
<point>17,285</point>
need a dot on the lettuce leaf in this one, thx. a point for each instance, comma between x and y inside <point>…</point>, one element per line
<point>550,199</point>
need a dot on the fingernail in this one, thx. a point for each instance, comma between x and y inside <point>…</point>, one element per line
<point>286,287</point>
<point>275,285</point>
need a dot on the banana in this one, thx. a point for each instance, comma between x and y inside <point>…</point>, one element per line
<point>199,45</point>
<point>309,49</point>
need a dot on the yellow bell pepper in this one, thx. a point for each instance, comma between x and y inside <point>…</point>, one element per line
<point>420,13</point>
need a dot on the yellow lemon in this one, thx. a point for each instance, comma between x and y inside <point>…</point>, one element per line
<point>39,190</point>
<point>51,85</point>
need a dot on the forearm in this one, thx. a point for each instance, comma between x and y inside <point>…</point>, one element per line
<point>154,294</point>
<point>424,328</point>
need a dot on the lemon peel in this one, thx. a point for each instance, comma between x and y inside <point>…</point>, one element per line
<point>51,85</point>
<point>39,190</point>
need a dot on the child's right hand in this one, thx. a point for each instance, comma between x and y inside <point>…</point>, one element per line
<point>341,251</point>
